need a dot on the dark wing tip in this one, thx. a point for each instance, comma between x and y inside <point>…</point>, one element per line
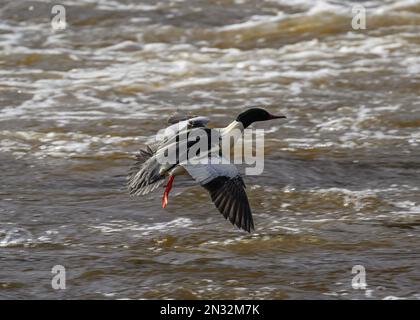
<point>229,196</point>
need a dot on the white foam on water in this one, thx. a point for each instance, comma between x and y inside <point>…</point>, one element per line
<point>410,207</point>
<point>393,298</point>
<point>16,236</point>
<point>52,144</point>
<point>113,5</point>
<point>413,65</point>
<point>266,22</point>
<point>118,226</point>
<point>348,129</point>
<point>398,5</point>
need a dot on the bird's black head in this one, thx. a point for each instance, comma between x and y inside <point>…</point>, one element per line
<point>255,114</point>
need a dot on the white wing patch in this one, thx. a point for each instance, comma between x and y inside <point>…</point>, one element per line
<point>204,173</point>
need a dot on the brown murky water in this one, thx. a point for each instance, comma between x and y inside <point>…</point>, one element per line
<point>341,180</point>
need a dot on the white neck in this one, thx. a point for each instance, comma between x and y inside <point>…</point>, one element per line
<point>235,129</point>
<point>234,125</point>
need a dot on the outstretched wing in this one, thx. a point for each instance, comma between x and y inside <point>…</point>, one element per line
<point>187,123</point>
<point>145,175</point>
<point>227,191</point>
<point>192,121</point>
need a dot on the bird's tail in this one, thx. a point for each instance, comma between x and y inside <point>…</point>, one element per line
<point>144,175</point>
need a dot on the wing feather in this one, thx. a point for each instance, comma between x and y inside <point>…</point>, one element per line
<point>227,191</point>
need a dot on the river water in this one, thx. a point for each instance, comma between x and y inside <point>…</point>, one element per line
<point>341,181</point>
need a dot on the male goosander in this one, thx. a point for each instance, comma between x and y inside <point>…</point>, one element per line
<point>221,179</point>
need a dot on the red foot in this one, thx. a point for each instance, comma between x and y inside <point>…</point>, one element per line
<point>166,193</point>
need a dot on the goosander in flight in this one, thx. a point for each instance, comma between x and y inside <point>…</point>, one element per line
<point>220,178</point>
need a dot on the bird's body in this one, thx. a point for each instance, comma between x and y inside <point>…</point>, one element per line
<point>207,166</point>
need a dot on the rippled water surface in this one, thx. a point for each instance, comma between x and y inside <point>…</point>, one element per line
<point>341,180</point>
